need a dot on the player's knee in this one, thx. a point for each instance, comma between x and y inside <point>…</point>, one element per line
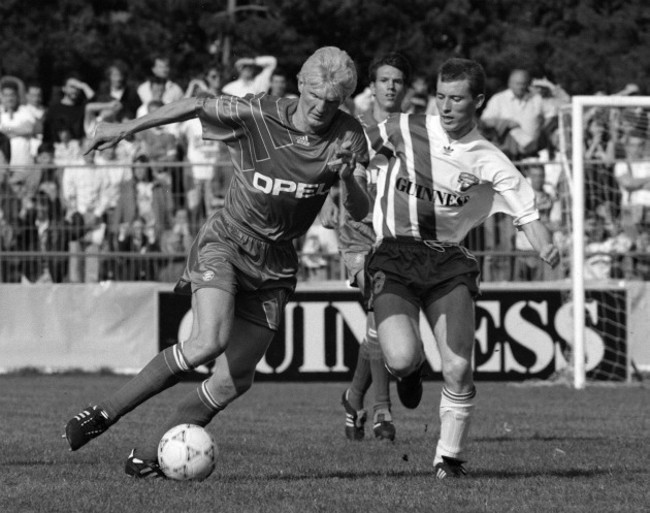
<point>457,374</point>
<point>401,368</point>
<point>204,346</point>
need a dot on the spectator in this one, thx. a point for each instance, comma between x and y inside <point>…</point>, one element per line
<point>157,89</point>
<point>513,119</point>
<point>145,197</point>
<point>83,190</point>
<point>160,73</point>
<point>602,193</point>
<point>254,76</point>
<point>210,86</point>
<point>319,245</point>
<point>17,123</point>
<point>67,150</point>
<point>34,102</point>
<point>641,262</point>
<point>43,230</point>
<point>50,182</point>
<point>418,98</point>
<point>280,85</point>
<point>117,88</point>
<point>603,251</point>
<point>137,237</point>
<point>633,176</point>
<point>553,98</point>
<point>160,146</point>
<point>176,242</point>
<point>529,268</point>
<point>202,155</point>
<point>68,113</point>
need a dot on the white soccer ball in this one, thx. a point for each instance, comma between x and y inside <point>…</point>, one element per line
<point>187,451</point>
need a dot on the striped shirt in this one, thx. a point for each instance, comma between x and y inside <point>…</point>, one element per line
<point>281,177</point>
<point>418,193</point>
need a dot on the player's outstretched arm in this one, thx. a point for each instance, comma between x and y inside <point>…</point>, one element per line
<point>353,190</point>
<point>109,134</point>
<point>541,239</point>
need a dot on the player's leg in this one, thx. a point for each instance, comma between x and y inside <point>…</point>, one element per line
<point>353,397</point>
<point>213,311</point>
<point>383,426</point>
<point>449,317</point>
<point>232,376</point>
<point>397,328</point>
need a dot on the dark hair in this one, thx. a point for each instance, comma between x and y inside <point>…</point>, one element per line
<point>393,59</point>
<point>45,147</point>
<point>455,69</point>
<point>9,84</point>
<point>120,66</point>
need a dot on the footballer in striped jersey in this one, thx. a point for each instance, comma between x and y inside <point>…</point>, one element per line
<point>389,75</point>
<point>443,179</point>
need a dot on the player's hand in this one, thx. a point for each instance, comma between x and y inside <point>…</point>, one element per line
<point>345,162</point>
<point>467,180</point>
<point>329,215</point>
<point>106,136</point>
<point>551,255</point>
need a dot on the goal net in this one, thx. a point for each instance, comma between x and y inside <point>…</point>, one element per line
<point>604,227</point>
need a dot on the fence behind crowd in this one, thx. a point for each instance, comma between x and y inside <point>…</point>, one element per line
<point>136,221</point>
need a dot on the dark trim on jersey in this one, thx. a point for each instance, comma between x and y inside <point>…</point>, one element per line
<point>417,125</point>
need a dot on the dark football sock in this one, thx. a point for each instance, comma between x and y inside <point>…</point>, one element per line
<point>162,372</point>
<point>361,379</point>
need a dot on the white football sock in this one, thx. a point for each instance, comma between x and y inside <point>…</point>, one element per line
<point>455,416</point>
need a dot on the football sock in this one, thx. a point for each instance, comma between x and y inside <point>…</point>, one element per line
<point>455,416</point>
<point>361,379</point>
<point>162,372</point>
<point>378,371</point>
<point>198,407</point>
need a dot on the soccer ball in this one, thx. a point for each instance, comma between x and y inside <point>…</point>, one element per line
<point>187,451</point>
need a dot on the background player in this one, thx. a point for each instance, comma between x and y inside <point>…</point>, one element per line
<point>287,154</point>
<point>446,178</point>
<point>389,76</point>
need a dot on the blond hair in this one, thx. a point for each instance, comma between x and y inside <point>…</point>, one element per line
<point>330,67</point>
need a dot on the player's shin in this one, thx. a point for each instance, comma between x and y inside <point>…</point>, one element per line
<point>162,372</point>
<point>455,416</point>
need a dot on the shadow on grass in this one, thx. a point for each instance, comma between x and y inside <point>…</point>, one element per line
<point>405,474</point>
<point>538,438</point>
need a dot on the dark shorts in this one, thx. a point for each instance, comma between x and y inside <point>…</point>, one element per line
<point>260,274</point>
<point>418,272</point>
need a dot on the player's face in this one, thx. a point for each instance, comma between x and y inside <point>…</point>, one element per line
<point>389,88</point>
<point>317,105</point>
<point>457,107</point>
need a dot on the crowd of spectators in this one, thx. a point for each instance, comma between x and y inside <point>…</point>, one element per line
<point>131,212</point>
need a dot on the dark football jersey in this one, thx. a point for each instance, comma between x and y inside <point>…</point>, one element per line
<point>281,177</point>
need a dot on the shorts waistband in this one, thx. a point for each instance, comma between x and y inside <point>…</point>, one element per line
<point>229,220</point>
<point>431,243</point>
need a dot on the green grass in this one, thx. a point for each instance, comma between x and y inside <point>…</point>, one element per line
<point>282,449</point>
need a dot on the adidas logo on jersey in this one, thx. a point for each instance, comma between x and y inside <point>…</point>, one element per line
<point>303,140</point>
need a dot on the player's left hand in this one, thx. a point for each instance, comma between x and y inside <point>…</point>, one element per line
<point>551,255</point>
<point>345,162</point>
<point>467,180</point>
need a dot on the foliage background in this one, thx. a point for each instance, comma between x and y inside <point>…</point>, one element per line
<point>585,45</point>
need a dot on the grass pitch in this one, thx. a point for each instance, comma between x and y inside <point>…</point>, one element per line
<point>282,449</point>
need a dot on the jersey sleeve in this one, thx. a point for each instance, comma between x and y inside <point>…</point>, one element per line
<point>224,118</point>
<point>515,196</point>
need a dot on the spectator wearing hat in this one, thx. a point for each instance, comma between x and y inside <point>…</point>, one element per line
<point>254,75</point>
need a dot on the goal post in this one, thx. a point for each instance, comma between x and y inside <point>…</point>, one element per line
<point>579,105</point>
